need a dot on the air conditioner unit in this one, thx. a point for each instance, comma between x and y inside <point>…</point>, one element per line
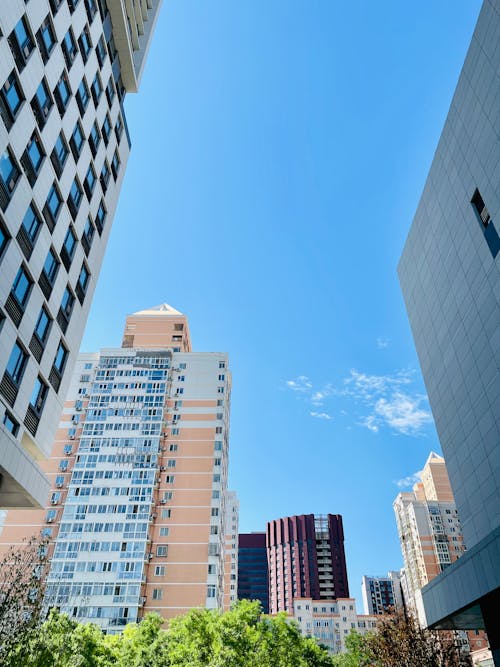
<point>50,519</point>
<point>59,485</point>
<point>154,515</point>
<point>72,436</point>
<point>54,501</point>
<point>163,501</point>
<point>150,556</point>
<point>163,468</point>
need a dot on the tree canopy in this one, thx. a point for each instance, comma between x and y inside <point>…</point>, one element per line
<point>242,637</point>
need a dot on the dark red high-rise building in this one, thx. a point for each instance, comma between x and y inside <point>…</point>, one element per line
<point>306,559</point>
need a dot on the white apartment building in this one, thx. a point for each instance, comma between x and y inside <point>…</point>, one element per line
<point>382,594</point>
<point>65,67</point>
<point>331,621</point>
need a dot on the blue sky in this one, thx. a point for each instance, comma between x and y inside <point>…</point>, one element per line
<point>279,151</point>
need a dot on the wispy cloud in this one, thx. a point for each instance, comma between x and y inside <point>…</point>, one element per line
<point>382,342</point>
<point>408,482</point>
<point>376,401</point>
<point>301,384</point>
<point>320,415</point>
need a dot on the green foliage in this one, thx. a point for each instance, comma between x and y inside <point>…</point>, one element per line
<point>242,637</point>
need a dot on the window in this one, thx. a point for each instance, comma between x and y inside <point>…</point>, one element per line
<point>82,96</point>
<point>171,463</point>
<point>21,287</point>
<point>38,396</point>
<point>94,139</point>
<point>4,239</point>
<point>106,129</point>
<point>85,44</point>
<point>164,531</point>
<point>77,140</point>
<point>173,448</point>
<point>68,248</point>
<point>62,93</point>
<point>9,176</point>
<point>214,530</point>
<point>52,206</point>
<point>60,358</point>
<point>69,48</point>
<point>46,39</point>
<point>67,303</point>
<point>96,88</point>
<point>159,570</point>
<point>100,217</point>
<point>83,283</point>
<point>89,182</point>
<point>115,168</point>
<point>105,176</point>
<point>211,591</point>
<point>10,423</point>
<point>169,479</point>
<point>67,449</point>
<point>218,445</point>
<point>118,128</point>
<point>157,594</point>
<point>484,219</point>
<point>32,158</point>
<point>88,235</point>
<point>182,366</point>
<point>51,267</point>
<point>28,232</point>
<point>42,326</point>
<point>11,100</point>
<point>75,198</point>
<point>59,154</point>
<point>21,43</point>
<point>166,514</point>
<point>17,363</point>
<point>42,103</point>
<point>91,9</point>
<point>110,91</point>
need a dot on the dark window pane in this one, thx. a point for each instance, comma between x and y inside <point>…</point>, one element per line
<point>17,364</point>
<point>42,326</point>
<point>32,223</point>
<point>21,287</point>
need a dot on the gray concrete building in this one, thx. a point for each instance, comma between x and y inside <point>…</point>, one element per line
<point>450,277</point>
<point>65,67</point>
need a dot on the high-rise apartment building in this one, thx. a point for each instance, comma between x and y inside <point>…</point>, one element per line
<point>306,559</point>
<point>253,573</point>
<point>382,594</point>
<point>450,278</point>
<point>231,550</point>
<point>429,528</point>
<point>65,67</point>
<point>137,511</point>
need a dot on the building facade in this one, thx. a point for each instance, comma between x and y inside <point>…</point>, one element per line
<point>331,621</point>
<point>231,550</point>
<point>65,68</point>
<point>429,528</point>
<point>306,559</point>
<point>137,509</point>
<point>253,573</point>
<point>450,278</point>
<point>382,594</point>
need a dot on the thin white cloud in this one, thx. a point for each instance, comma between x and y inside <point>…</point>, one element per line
<point>320,415</point>
<point>403,413</point>
<point>301,384</point>
<point>384,401</point>
<point>408,482</point>
<point>382,342</point>
<point>370,422</point>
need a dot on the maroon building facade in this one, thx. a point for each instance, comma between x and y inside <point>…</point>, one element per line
<point>306,559</point>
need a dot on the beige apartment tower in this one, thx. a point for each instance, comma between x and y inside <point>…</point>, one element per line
<point>136,515</point>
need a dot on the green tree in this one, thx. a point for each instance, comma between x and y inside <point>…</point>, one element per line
<point>22,573</point>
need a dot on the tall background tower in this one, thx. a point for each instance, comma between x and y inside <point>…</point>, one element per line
<point>65,68</point>
<point>137,511</point>
<point>306,559</point>
<point>429,528</point>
